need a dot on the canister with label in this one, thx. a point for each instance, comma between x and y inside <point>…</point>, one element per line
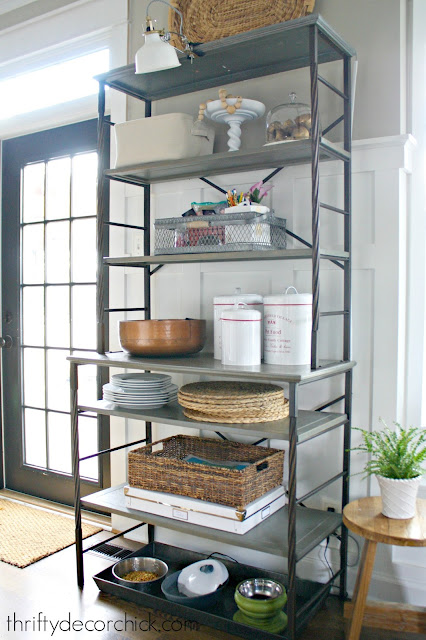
<point>287,328</point>
<point>241,336</point>
<point>221,303</point>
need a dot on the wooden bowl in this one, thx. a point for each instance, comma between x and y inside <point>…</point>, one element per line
<point>162,337</point>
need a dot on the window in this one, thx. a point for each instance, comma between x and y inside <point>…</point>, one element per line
<point>52,85</point>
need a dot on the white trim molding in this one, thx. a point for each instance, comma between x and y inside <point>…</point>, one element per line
<point>11,5</point>
<point>80,28</point>
<point>73,22</point>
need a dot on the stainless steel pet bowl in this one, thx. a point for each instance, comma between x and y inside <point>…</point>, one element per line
<point>260,588</point>
<point>154,565</point>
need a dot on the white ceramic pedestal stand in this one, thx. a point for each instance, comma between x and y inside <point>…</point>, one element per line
<point>249,110</point>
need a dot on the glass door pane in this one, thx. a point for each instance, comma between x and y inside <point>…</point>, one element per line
<point>58,302</point>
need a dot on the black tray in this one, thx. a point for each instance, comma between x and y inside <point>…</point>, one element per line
<point>220,615</point>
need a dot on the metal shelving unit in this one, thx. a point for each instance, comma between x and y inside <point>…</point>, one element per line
<point>294,530</point>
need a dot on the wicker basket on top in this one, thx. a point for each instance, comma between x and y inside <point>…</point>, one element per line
<point>207,20</point>
<point>161,466</point>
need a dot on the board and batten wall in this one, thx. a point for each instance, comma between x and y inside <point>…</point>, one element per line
<point>381,173</point>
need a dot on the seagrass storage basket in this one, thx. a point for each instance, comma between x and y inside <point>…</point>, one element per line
<point>161,466</point>
<point>207,20</point>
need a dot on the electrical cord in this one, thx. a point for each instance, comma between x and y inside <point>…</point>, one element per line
<point>325,557</point>
<point>224,555</point>
<point>358,555</point>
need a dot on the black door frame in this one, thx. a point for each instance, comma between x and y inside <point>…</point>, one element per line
<point>74,138</point>
<point>1,439</point>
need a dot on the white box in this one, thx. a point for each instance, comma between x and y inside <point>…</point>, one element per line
<point>206,514</point>
<point>247,208</point>
<point>252,232</point>
<point>166,137</point>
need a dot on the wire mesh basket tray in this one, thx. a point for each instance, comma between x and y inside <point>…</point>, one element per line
<point>246,231</point>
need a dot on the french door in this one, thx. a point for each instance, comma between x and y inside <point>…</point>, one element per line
<point>48,306</point>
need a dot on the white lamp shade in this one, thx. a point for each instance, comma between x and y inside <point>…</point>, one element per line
<point>155,55</point>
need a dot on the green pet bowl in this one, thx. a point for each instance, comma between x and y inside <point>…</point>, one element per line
<point>260,599</point>
<point>277,624</point>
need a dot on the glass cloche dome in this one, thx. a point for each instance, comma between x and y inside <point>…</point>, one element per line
<point>288,121</point>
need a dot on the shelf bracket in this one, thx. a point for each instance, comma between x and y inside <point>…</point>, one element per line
<point>324,314</point>
<point>325,588</point>
<point>125,309</point>
<point>129,180</point>
<point>336,209</point>
<point>118,535</point>
<point>333,124</point>
<point>215,186</point>
<point>322,486</point>
<point>308,244</point>
<point>330,403</point>
<point>332,87</point>
<point>272,174</point>
<point>151,273</point>
<point>101,453</point>
<point>124,226</point>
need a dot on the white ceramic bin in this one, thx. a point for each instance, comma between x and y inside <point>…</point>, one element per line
<point>166,137</point>
<point>221,303</point>
<point>287,328</point>
<point>241,337</point>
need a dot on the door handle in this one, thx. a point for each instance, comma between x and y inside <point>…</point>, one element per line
<point>6,342</point>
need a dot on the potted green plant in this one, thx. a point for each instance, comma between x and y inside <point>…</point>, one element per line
<point>396,461</point>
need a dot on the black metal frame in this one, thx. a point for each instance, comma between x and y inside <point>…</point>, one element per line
<point>316,33</point>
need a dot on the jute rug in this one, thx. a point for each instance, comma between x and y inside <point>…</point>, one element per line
<point>28,534</point>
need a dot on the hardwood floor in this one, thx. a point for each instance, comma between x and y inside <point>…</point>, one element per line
<point>48,589</point>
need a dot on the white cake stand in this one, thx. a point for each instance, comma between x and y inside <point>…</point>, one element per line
<point>249,110</point>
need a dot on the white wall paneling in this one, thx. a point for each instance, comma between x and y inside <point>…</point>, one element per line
<point>381,168</point>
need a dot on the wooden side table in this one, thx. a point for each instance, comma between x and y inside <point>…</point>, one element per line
<point>364,517</point>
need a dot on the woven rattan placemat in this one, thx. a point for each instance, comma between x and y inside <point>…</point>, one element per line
<point>233,402</point>
<point>200,416</point>
<point>221,391</point>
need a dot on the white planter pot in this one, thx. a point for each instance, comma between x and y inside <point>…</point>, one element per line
<point>399,496</point>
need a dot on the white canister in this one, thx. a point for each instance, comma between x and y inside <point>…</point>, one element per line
<point>287,328</point>
<point>221,303</point>
<point>241,336</point>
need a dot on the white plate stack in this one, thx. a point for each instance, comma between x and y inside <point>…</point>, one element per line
<point>140,390</point>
